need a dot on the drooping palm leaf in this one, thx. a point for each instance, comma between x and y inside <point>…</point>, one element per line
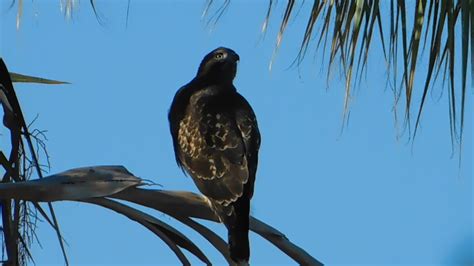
<point>286,18</point>
<point>187,204</point>
<point>439,14</point>
<point>209,235</point>
<point>172,237</point>
<point>19,131</point>
<point>99,184</point>
<point>347,18</point>
<point>434,23</point>
<point>466,16</point>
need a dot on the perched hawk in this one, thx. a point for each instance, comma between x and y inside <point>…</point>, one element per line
<point>216,140</point>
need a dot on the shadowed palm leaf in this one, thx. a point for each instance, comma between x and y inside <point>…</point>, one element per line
<point>100,185</point>
<point>349,28</point>
<point>21,163</point>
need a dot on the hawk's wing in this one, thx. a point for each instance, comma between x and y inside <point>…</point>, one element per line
<point>247,123</point>
<point>218,147</point>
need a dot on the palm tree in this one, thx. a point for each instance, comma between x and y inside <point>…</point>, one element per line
<point>403,29</point>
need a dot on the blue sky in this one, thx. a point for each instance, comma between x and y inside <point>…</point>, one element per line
<point>356,197</point>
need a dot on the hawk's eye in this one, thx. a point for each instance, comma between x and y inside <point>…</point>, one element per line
<point>219,56</point>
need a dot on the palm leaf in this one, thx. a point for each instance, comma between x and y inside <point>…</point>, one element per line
<point>438,14</point>
<point>284,23</point>
<point>210,236</point>
<point>430,18</point>
<point>18,128</point>
<point>168,234</point>
<point>98,184</point>
<point>30,79</point>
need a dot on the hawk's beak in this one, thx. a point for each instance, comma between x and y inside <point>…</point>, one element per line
<point>236,57</point>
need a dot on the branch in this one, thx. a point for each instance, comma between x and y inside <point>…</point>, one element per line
<point>187,204</point>
<point>96,184</point>
<point>15,122</point>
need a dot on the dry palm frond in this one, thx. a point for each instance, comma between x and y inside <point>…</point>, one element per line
<point>19,14</point>
<point>68,7</point>
<point>101,185</point>
<point>354,23</point>
<point>213,17</point>
<point>412,24</point>
<point>286,18</point>
<point>429,16</point>
<point>172,237</point>
<point>23,159</point>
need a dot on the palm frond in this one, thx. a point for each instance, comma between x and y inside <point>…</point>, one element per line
<point>18,167</point>
<point>353,22</point>
<point>267,17</point>
<point>172,237</point>
<point>101,185</point>
<point>434,23</point>
<point>284,23</point>
<point>15,77</point>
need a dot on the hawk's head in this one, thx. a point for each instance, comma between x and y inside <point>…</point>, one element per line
<point>220,64</point>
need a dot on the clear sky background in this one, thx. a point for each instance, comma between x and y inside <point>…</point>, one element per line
<point>360,197</point>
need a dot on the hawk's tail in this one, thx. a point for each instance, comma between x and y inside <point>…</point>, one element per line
<point>239,247</point>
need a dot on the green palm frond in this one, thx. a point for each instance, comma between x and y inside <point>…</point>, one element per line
<point>15,77</point>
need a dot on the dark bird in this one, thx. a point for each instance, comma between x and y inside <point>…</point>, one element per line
<point>216,141</point>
